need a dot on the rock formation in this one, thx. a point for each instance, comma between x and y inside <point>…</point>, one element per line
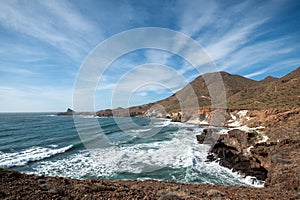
<point>68,112</point>
<point>264,143</point>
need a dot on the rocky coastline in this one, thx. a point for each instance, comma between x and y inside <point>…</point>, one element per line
<point>260,143</point>
<point>260,137</point>
<point>263,143</point>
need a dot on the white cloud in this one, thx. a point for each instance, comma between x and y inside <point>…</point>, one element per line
<point>231,41</point>
<point>196,15</point>
<point>257,73</point>
<point>146,78</point>
<point>34,99</point>
<point>19,71</point>
<point>106,86</point>
<point>56,23</point>
<point>255,54</point>
<point>143,94</point>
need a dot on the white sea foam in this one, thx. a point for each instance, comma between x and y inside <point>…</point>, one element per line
<point>29,155</point>
<point>182,152</point>
<point>51,115</point>
<point>140,158</point>
<point>140,130</point>
<point>53,145</point>
<point>162,123</point>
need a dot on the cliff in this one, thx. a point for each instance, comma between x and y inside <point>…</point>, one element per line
<point>262,143</point>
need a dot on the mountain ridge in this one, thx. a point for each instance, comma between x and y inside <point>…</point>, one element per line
<point>240,93</point>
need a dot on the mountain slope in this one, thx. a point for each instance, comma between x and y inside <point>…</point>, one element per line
<point>241,93</point>
<point>282,92</point>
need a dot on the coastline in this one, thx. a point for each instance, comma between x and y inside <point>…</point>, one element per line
<point>21,186</point>
<point>253,140</point>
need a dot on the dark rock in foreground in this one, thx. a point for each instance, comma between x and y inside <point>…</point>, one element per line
<point>14,185</point>
<point>232,149</point>
<point>209,136</point>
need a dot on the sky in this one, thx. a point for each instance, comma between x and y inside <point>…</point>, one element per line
<point>45,43</point>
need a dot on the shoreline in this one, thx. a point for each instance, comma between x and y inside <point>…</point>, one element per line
<point>263,152</point>
<point>279,185</point>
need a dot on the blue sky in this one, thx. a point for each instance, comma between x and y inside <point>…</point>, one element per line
<point>44,43</point>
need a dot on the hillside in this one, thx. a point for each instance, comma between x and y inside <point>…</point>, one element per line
<point>241,93</point>
<point>282,92</point>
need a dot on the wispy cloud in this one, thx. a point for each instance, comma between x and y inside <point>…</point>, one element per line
<point>43,44</point>
<point>55,23</point>
<point>32,98</point>
<point>19,71</point>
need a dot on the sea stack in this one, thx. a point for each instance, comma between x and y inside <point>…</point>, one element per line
<point>68,112</point>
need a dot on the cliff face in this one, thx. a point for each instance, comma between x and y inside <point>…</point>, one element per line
<point>262,143</point>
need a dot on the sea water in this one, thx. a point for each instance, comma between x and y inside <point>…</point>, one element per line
<point>46,144</point>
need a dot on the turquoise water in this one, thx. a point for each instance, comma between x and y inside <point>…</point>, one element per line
<point>46,144</point>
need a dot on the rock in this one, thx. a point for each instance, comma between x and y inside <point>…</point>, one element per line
<point>277,158</point>
<point>214,193</point>
<point>176,117</point>
<point>42,181</point>
<point>231,150</point>
<point>68,112</point>
<point>14,185</point>
<point>170,197</point>
<point>208,136</point>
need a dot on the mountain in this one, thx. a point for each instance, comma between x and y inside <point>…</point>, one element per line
<point>241,93</point>
<point>281,92</point>
<point>268,79</point>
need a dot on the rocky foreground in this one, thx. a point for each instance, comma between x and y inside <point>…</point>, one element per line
<point>14,185</point>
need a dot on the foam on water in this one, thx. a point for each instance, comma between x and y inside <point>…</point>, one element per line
<point>140,130</point>
<point>29,155</point>
<point>173,154</point>
<point>181,153</point>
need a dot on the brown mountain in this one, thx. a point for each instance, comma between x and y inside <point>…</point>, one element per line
<point>268,79</point>
<point>241,93</point>
<point>282,92</point>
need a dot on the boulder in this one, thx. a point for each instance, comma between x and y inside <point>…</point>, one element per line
<point>233,151</point>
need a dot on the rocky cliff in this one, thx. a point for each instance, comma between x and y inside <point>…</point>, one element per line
<point>261,143</point>
<point>262,118</point>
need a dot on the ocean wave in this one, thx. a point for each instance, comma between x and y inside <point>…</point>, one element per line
<point>51,115</point>
<point>141,130</point>
<point>8,160</point>
<point>181,156</point>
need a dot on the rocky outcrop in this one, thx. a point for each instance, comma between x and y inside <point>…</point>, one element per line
<point>209,136</point>
<point>14,185</point>
<point>233,152</point>
<point>68,112</point>
<point>176,117</point>
<point>264,143</point>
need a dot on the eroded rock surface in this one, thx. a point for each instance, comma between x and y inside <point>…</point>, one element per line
<point>265,144</point>
<point>14,185</point>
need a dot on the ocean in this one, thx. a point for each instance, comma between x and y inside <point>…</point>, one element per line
<point>46,144</point>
